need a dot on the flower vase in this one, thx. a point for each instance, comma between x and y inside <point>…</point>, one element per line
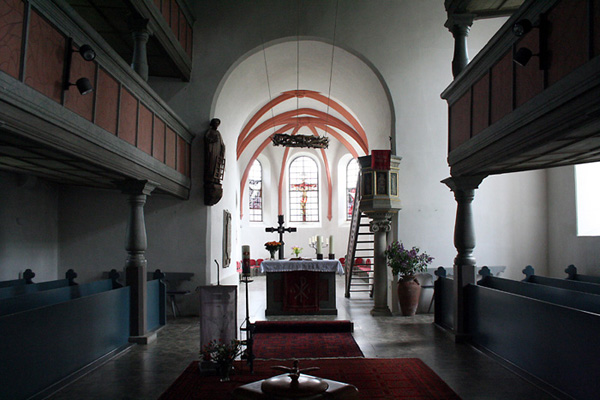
<point>225,369</point>
<point>409,291</point>
<point>272,254</point>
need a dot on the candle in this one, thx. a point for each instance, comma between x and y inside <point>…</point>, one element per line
<point>319,239</point>
<point>331,244</point>
<point>246,260</point>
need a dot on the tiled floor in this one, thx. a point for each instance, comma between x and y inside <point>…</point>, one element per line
<point>144,372</point>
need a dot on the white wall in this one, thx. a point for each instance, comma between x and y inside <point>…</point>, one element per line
<point>565,247</point>
<point>28,227</point>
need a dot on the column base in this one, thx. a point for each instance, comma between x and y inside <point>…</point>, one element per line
<point>381,312</point>
<point>144,339</point>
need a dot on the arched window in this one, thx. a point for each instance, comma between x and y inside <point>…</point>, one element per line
<point>352,171</point>
<point>304,190</point>
<point>255,192</point>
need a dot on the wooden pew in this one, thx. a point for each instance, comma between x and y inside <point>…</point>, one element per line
<point>54,336</point>
<point>28,275</point>
<point>573,275</point>
<point>19,289</point>
<point>444,300</point>
<point>546,333</point>
<point>560,283</point>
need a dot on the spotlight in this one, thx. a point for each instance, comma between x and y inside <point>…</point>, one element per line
<point>84,86</point>
<point>88,54</point>
<point>522,27</point>
<point>522,56</point>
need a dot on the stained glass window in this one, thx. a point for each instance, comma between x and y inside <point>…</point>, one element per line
<point>255,192</point>
<point>304,190</point>
<point>352,170</point>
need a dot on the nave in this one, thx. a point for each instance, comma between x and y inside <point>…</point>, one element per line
<point>144,372</point>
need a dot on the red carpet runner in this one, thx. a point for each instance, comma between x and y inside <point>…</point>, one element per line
<point>375,378</point>
<point>310,339</point>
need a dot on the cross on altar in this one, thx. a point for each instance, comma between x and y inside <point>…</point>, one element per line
<point>280,229</point>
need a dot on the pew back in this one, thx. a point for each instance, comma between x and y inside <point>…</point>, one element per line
<point>53,296</point>
<point>19,290</point>
<point>565,284</point>
<point>552,294</point>
<point>552,343</point>
<point>44,345</point>
<point>444,302</point>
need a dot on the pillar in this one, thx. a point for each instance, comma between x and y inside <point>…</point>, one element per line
<point>140,34</point>
<point>135,265</point>
<point>460,25</point>
<point>380,226</point>
<point>464,242</point>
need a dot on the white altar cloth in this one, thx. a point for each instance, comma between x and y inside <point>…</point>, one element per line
<point>302,265</point>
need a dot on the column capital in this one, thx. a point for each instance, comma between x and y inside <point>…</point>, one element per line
<point>459,22</point>
<point>136,187</point>
<point>460,183</point>
<point>137,23</point>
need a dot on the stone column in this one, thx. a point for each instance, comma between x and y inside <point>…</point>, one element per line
<point>459,25</point>
<point>135,265</point>
<point>140,34</point>
<point>380,226</point>
<point>464,241</point>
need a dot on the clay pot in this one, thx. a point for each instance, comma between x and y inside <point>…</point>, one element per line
<point>409,291</point>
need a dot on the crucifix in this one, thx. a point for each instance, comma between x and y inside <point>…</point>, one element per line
<point>280,229</point>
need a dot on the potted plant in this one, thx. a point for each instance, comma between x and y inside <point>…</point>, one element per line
<point>407,263</point>
<point>222,354</point>
<point>272,247</point>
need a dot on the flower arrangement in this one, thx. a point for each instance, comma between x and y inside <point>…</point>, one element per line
<point>296,250</point>
<point>272,246</point>
<point>406,262</point>
<point>220,352</point>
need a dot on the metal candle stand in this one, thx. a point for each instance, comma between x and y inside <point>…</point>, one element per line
<point>319,255</point>
<point>248,327</point>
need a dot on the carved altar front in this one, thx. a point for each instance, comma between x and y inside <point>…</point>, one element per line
<point>301,286</point>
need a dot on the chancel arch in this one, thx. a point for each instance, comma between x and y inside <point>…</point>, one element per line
<point>293,86</point>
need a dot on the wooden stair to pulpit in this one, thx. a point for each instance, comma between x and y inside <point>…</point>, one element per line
<point>360,255</point>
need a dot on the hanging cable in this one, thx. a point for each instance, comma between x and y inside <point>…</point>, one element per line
<point>331,67</point>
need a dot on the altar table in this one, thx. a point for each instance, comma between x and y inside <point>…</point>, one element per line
<point>301,286</point>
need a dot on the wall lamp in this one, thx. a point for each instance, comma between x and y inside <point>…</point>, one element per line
<point>522,27</point>
<point>84,85</point>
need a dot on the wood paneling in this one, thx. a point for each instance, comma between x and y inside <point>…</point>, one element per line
<point>182,156</point>
<point>596,27</point>
<point>165,10</point>
<point>182,30</point>
<point>189,40</point>
<point>567,38</point>
<point>11,36</point>
<point>144,141</point>
<point>170,148</point>
<point>529,80</point>
<point>481,104</point>
<point>74,101</point>
<point>502,88</point>
<point>107,101</point>
<point>158,140</point>
<point>45,58</point>
<point>174,20</point>
<point>460,121</point>
<point>128,115</point>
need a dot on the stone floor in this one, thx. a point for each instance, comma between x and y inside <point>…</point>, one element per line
<point>144,372</point>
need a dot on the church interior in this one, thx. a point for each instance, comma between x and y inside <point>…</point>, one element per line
<point>151,150</point>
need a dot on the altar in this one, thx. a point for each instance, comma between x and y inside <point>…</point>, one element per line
<point>301,286</point>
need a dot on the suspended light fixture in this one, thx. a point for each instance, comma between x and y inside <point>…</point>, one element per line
<point>298,140</point>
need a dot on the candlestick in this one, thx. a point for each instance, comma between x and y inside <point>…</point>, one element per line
<point>246,260</point>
